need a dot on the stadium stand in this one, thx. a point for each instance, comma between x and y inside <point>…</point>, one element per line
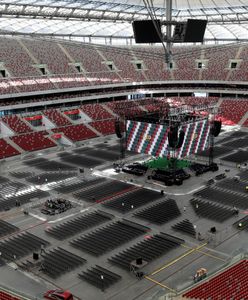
<point>230,284</point>
<point>21,66</point>
<point>124,64</point>
<point>56,117</point>
<point>60,59</point>
<point>49,53</point>
<point>96,111</point>
<point>16,124</point>
<point>7,296</point>
<point>186,66</point>
<point>217,62</point>
<point>33,141</point>
<point>6,150</point>
<point>105,127</point>
<point>77,132</point>
<point>233,110</point>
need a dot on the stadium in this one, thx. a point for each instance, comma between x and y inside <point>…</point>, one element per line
<point>123,150</point>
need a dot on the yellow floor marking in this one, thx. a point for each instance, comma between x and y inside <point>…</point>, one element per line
<point>160,284</point>
<point>179,258</point>
<point>205,253</point>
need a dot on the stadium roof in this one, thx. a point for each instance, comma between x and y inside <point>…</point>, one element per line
<point>109,21</point>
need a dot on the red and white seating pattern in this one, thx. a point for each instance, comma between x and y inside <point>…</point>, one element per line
<point>25,77</point>
<point>7,150</point>
<point>88,56</point>
<point>155,68</point>
<point>186,67</point>
<point>104,127</point>
<point>218,63</point>
<point>49,53</point>
<point>76,132</point>
<point>230,284</point>
<point>232,111</point>
<point>33,141</point>
<point>6,296</point>
<point>16,124</point>
<point>131,107</point>
<point>123,62</point>
<point>56,117</point>
<point>96,111</point>
<point>15,58</point>
<point>241,74</point>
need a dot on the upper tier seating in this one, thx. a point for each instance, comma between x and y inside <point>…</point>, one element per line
<point>7,150</point>
<point>218,62</point>
<point>123,62</point>
<point>154,64</point>
<point>48,53</point>
<point>196,100</point>
<point>130,107</point>
<point>56,117</point>
<point>76,132</point>
<point>16,124</point>
<point>105,127</point>
<point>96,111</point>
<point>230,284</point>
<point>185,67</point>
<point>241,73</point>
<point>16,60</point>
<point>33,141</point>
<point>58,59</point>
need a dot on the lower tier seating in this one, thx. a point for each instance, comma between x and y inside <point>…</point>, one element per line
<point>7,150</point>
<point>33,141</point>
<point>76,132</point>
<point>16,124</point>
<point>105,127</point>
<point>96,111</point>
<point>7,296</point>
<point>230,284</point>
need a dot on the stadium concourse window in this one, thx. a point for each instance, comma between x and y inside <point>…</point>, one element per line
<point>42,68</point>
<point>233,65</point>
<point>110,65</point>
<point>78,67</point>
<point>201,65</point>
<point>4,73</point>
<point>171,66</point>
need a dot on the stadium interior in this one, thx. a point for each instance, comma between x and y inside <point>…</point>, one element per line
<point>123,164</point>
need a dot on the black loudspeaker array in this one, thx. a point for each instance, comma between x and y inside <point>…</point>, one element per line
<point>172,136</point>
<point>149,31</point>
<point>181,139</point>
<point>145,31</point>
<point>118,129</point>
<point>174,140</point>
<point>216,128</point>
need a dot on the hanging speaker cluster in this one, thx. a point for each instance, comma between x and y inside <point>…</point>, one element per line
<point>216,128</point>
<point>118,129</point>
<point>175,141</point>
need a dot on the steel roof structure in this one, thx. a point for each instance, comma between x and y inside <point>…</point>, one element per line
<point>109,21</point>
